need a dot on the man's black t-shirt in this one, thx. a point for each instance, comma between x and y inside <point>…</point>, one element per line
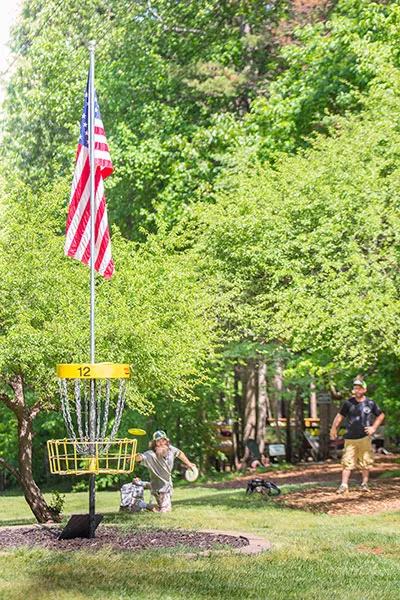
<point>359,415</point>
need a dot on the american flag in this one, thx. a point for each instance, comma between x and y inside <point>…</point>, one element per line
<point>77,243</point>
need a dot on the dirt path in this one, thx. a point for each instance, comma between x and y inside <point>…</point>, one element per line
<point>323,479</point>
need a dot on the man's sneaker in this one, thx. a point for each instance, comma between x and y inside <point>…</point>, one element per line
<point>343,489</point>
<point>364,487</point>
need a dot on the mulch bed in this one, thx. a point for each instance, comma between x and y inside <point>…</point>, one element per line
<point>382,497</point>
<point>117,539</point>
<point>323,480</point>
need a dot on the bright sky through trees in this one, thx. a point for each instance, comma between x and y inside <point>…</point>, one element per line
<point>9,13</point>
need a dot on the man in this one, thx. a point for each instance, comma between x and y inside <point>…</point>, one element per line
<point>363,418</point>
<point>159,460</point>
<point>132,497</point>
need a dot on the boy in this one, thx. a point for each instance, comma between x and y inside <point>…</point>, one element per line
<point>132,499</point>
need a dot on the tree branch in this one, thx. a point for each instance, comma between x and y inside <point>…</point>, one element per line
<point>168,28</point>
<point>182,29</point>
<point>16,383</point>
<point>10,468</point>
<point>7,401</point>
<point>39,407</point>
<point>335,393</point>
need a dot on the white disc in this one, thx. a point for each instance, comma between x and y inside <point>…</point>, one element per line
<point>192,474</point>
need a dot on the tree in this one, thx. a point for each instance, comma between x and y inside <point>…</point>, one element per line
<point>329,69</point>
<point>174,82</point>
<point>153,315</point>
<point>182,86</point>
<point>306,253</point>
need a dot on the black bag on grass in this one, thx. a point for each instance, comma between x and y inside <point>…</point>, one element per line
<point>262,487</point>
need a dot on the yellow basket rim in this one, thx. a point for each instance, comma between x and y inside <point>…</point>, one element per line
<point>64,458</point>
<point>105,370</point>
<point>86,441</point>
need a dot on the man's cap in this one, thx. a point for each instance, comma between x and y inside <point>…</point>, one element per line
<point>361,382</point>
<point>159,435</point>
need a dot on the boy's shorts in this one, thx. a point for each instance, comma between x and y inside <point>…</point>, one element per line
<point>358,453</point>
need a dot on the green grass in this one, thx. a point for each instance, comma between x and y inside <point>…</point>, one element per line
<point>390,474</point>
<point>220,476</point>
<point>314,556</point>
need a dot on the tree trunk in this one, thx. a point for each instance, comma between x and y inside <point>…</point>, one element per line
<point>278,385</point>
<point>250,392</point>
<point>25,417</point>
<point>238,421</point>
<point>276,403</point>
<point>288,414</point>
<point>313,400</point>
<point>323,432</point>
<point>10,469</point>
<point>263,405</point>
<point>32,493</point>
<point>299,424</point>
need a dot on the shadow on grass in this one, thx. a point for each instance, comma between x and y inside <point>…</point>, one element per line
<point>127,519</point>
<point>14,492</point>
<point>16,522</point>
<point>224,499</point>
<point>149,576</point>
<point>239,501</point>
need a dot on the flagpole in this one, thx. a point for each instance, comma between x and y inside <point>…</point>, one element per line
<point>92,404</point>
<point>92,199</point>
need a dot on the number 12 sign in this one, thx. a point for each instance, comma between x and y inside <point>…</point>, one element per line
<point>93,371</point>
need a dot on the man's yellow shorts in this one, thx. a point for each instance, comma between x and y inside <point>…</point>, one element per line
<point>358,453</point>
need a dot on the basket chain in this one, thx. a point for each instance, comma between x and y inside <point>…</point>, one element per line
<point>86,407</point>
<point>118,413</point>
<point>106,409</point>
<point>66,411</point>
<point>98,410</point>
<point>65,407</point>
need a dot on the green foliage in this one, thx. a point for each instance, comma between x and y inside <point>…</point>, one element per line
<point>8,437</point>
<point>312,245</point>
<point>57,503</point>
<point>329,71</point>
<point>183,85</point>
<point>103,482</point>
<point>172,78</point>
<point>307,253</point>
<point>81,486</point>
<point>298,260</point>
<point>152,314</point>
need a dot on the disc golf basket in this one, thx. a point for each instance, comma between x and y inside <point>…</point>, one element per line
<point>92,447</point>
